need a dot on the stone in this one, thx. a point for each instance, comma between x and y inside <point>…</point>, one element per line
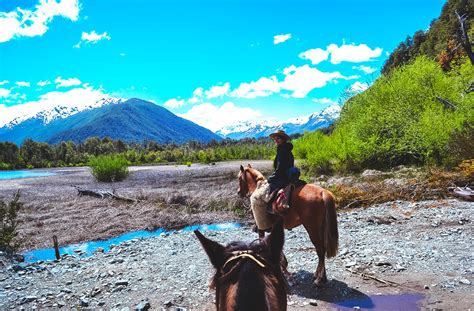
<point>121,283</point>
<point>84,302</point>
<point>350,264</point>
<point>143,306</point>
<point>313,303</point>
<point>465,281</point>
<point>28,299</point>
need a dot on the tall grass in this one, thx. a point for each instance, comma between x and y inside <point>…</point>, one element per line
<point>109,168</point>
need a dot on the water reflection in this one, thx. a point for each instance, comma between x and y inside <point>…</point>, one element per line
<point>88,248</point>
<point>382,302</point>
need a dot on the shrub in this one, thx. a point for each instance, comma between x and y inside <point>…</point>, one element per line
<point>9,223</point>
<point>109,168</point>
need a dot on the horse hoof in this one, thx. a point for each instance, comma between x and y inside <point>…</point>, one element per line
<point>320,282</point>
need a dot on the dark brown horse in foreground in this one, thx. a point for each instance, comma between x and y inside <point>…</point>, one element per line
<point>248,276</point>
<point>311,206</point>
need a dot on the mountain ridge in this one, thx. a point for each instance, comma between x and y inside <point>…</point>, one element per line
<point>131,121</point>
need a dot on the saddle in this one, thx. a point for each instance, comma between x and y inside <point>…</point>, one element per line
<point>282,200</point>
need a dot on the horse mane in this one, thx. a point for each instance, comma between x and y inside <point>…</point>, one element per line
<point>250,272</point>
<point>259,176</point>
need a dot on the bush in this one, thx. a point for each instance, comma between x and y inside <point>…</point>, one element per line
<point>109,168</point>
<point>9,223</point>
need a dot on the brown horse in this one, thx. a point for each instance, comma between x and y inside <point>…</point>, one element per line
<point>311,206</point>
<point>248,276</point>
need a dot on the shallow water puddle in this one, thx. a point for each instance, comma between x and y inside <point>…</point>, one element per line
<point>24,174</point>
<point>403,302</point>
<point>88,248</point>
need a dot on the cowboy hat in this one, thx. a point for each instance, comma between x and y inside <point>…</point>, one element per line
<point>281,134</point>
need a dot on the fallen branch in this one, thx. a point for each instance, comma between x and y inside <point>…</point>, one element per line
<point>446,103</point>
<point>104,194</point>
<point>364,275</point>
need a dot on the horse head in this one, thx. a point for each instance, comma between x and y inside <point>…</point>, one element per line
<point>248,276</point>
<point>248,179</point>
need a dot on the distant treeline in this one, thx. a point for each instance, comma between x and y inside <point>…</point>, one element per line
<point>33,154</point>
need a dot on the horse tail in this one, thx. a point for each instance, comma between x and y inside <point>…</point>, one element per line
<point>331,233</point>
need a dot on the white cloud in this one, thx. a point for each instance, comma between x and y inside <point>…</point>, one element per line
<point>67,82</point>
<point>93,38</point>
<point>261,88</point>
<point>4,82</point>
<point>174,103</point>
<point>359,87</point>
<point>352,53</point>
<point>31,23</point>
<point>43,83</point>
<point>215,118</point>
<point>281,38</point>
<point>218,91</point>
<point>4,92</point>
<point>315,55</point>
<point>78,97</point>
<point>324,100</point>
<point>302,80</point>
<point>22,84</point>
<point>366,69</point>
<point>197,96</point>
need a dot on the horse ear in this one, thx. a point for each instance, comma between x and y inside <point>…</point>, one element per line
<point>214,250</point>
<point>249,166</point>
<point>241,168</point>
<point>275,241</point>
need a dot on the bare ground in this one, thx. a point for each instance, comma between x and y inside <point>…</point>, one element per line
<point>170,196</point>
<point>423,249</point>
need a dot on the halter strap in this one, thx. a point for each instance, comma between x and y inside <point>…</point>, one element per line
<point>244,254</point>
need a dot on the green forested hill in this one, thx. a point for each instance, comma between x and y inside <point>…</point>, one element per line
<point>443,36</point>
<point>400,119</point>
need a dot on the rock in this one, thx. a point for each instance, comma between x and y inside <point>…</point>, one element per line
<point>66,290</point>
<point>95,291</point>
<point>121,283</point>
<point>17,268</point>
<point>28,299</point>
<point>465,281</point>
<point>84,302</point>
<point>116,260</point>
<point>372,174</point>
<point>99,250</point>
<point>143,306</point>
<point>313,303</point>
<point>350,264</point>
<point>427,287</point>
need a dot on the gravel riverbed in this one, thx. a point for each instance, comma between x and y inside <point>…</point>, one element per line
<point>422,249</point>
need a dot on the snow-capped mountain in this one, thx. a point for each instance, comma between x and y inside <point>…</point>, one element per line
<point>254,129</point>
<point>49,114</point>
<point>132,120</point>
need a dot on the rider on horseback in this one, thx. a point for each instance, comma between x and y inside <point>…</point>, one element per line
<point>266,192</point>
<point>284,160</point>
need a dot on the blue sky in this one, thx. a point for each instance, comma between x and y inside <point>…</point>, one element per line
<point>214,62</point>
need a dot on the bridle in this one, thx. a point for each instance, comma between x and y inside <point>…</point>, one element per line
<point>245,254</point>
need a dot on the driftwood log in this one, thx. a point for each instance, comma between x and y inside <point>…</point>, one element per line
<point>465,193</point>
<point>104,194</point>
